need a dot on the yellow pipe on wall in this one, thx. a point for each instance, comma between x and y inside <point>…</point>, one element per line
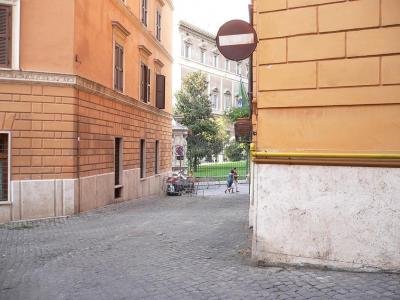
<point>323,154</point>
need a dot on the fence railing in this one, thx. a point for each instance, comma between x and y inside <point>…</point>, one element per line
<point>219,171</point>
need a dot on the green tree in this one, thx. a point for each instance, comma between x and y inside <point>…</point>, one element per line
<point>235,151</point>
<point>194,106</point>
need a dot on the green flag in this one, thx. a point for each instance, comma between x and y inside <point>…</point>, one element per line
<point>243,95</point>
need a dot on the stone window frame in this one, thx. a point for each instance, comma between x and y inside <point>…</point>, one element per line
<point>227,64</point>
<point>15,33</point>
<point>142,158</point>
<point>203,58</point>
<point>239,68</point>
<point>215,96</point>
<point>9,200</point>
<point>119,185</point>
<point>144,11</point>
<point>187,50</point>
<point>120,34</point>
<point>215,60</point>
<point>158,24</point>
<point>227,93</point>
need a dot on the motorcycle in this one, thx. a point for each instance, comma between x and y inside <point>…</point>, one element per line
<point>178,183</point>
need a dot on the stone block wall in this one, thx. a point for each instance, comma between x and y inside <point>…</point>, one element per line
<point>43,129</point>
<point>327,59</point>
<point>62,147</point>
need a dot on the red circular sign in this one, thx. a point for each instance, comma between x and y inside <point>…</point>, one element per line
<point>236,40</point>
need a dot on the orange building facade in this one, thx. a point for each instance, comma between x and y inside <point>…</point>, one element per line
<point>85,104</point>
<point>326,156</point>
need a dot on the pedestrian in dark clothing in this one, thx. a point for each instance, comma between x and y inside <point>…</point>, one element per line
<point>229,182</point>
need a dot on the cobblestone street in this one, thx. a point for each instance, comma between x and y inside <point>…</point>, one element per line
<point>162,248</point>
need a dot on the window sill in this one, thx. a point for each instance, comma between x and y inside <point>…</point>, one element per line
<point>5,203</point>
<point>118,186</point>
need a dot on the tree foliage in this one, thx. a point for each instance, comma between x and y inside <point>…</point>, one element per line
<point>194,106</point>
<point>235,151</point>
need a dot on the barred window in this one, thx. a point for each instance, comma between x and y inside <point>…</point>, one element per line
<point>4,162</point>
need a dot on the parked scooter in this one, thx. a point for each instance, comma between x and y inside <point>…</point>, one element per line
<point>178,183</point>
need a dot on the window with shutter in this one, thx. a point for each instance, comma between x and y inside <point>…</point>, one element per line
<point>158,25</point>
<point>148,85</point>
<point>145,83</point>
<point>142,78</point>
<point>119,68</point>
<point>160,91</point>
<point>144,12</point>
<point>5,36</point>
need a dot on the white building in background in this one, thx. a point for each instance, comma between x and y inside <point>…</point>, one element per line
<point>196,50</point>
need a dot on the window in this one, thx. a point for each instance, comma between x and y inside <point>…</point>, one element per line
<point>203,56</point>
<point>160,91</point>
<point>215,60</point>
<point>4,166</point>
<point>117,167</point>
<point>226,64</point>
<point>214,101</point>
<point>187,50</point>
<point>158,25</point>
<point>119,68</point>
<point>239,69</point>
<point>144,12</point>
<point>5,36</point>
<point>145,83</point>
<point>227,100</point>
<point>156,157</point>
<point>142,158</point>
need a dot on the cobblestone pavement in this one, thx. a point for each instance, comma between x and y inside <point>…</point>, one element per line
<point>162,248</point>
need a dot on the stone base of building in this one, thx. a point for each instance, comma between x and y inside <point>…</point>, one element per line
<point>34,199</point>
<point>337,217</point>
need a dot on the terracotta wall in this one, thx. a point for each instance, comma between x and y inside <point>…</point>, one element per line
<point>101,120</point>
<point>94,44</point>
<point>327,75</point>
<point>43,130</point>
<point>47,36</point>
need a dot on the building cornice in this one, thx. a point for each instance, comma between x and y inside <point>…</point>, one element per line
<point>80,83</point>
<point>210,70</point>
<point>187,27</point>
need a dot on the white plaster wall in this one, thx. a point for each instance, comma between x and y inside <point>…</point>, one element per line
<point>345,217</point>
<point>253,194</point>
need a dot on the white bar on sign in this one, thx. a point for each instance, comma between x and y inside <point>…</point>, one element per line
<point>236,39</point>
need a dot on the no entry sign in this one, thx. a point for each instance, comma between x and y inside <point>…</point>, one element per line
<point>236,40</point>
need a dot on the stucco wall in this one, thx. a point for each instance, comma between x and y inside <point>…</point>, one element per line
<point>347,217</point>
<point>327,75</point>
<point>47,35</point>
<point>95,37</point>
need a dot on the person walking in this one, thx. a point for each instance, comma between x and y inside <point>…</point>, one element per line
<point>235,180</point>
<point>229,182</point>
